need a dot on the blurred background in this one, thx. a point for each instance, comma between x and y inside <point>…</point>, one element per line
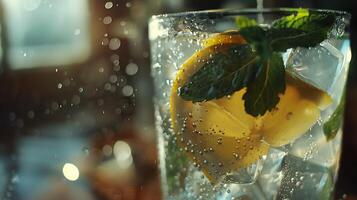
<point>76,111</point>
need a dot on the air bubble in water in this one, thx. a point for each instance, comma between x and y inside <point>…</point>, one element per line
<point>59,85</point>
<point>128,4</point>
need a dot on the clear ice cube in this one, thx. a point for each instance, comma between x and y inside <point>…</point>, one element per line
<point>271,175</point>
<point>322,65</point>
<point>304,180</point>
<point>314,147</point>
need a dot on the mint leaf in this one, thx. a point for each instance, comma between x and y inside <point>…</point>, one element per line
<point>253,34</point>
<point>225,72</point>
<point>300,30</point>
<point>263,92</point>
<point>332,126</point>
<point>243,22</point>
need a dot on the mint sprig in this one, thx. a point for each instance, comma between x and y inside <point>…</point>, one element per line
<point>258,65</point>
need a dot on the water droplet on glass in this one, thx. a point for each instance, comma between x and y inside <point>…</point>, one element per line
<point>59,85</point>
<point>101,69</point>
<point>108,5</point>
<point>127,90</point>
<point>80,89</point>
<point>114,44</point>
<point>128,4</point>
<point>131,69</point>
<point>107,20</point>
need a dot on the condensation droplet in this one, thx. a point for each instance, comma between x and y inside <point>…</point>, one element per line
<point>59,85</point>
<point>131,69</point>
<point>107,20</point>
<point>128,4</point>
<point>127,90</point>
<point>108,5</point>
<point>80,89</point>
<point>101,69</point>
<point>114,44</point>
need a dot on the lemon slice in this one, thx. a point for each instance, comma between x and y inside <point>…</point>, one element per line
<point>219,136</point>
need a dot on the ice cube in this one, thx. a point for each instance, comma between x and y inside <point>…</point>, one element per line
<point>313,147</point>
<point>304,180</point>
<point>271,175</point>
<point>246,175</point>
<point>320,65</point>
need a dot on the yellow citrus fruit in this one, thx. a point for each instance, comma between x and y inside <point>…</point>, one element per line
<point>219,136</point>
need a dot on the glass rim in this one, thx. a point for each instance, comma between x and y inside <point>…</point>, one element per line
<point>245,11</point>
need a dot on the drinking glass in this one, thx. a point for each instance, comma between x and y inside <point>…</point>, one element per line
<point>213,149</point>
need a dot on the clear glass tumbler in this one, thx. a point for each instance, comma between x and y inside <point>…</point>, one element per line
<point>248,104</point>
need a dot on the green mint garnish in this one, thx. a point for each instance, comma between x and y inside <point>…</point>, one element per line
<point>243,22</point>
<point>222,74</point>
<point>301,30</point>
<point>262,93</point>
<point>258,65</point>
<point>334,123</point>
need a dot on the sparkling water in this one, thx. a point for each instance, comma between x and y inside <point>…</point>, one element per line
<point>304,169</point>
